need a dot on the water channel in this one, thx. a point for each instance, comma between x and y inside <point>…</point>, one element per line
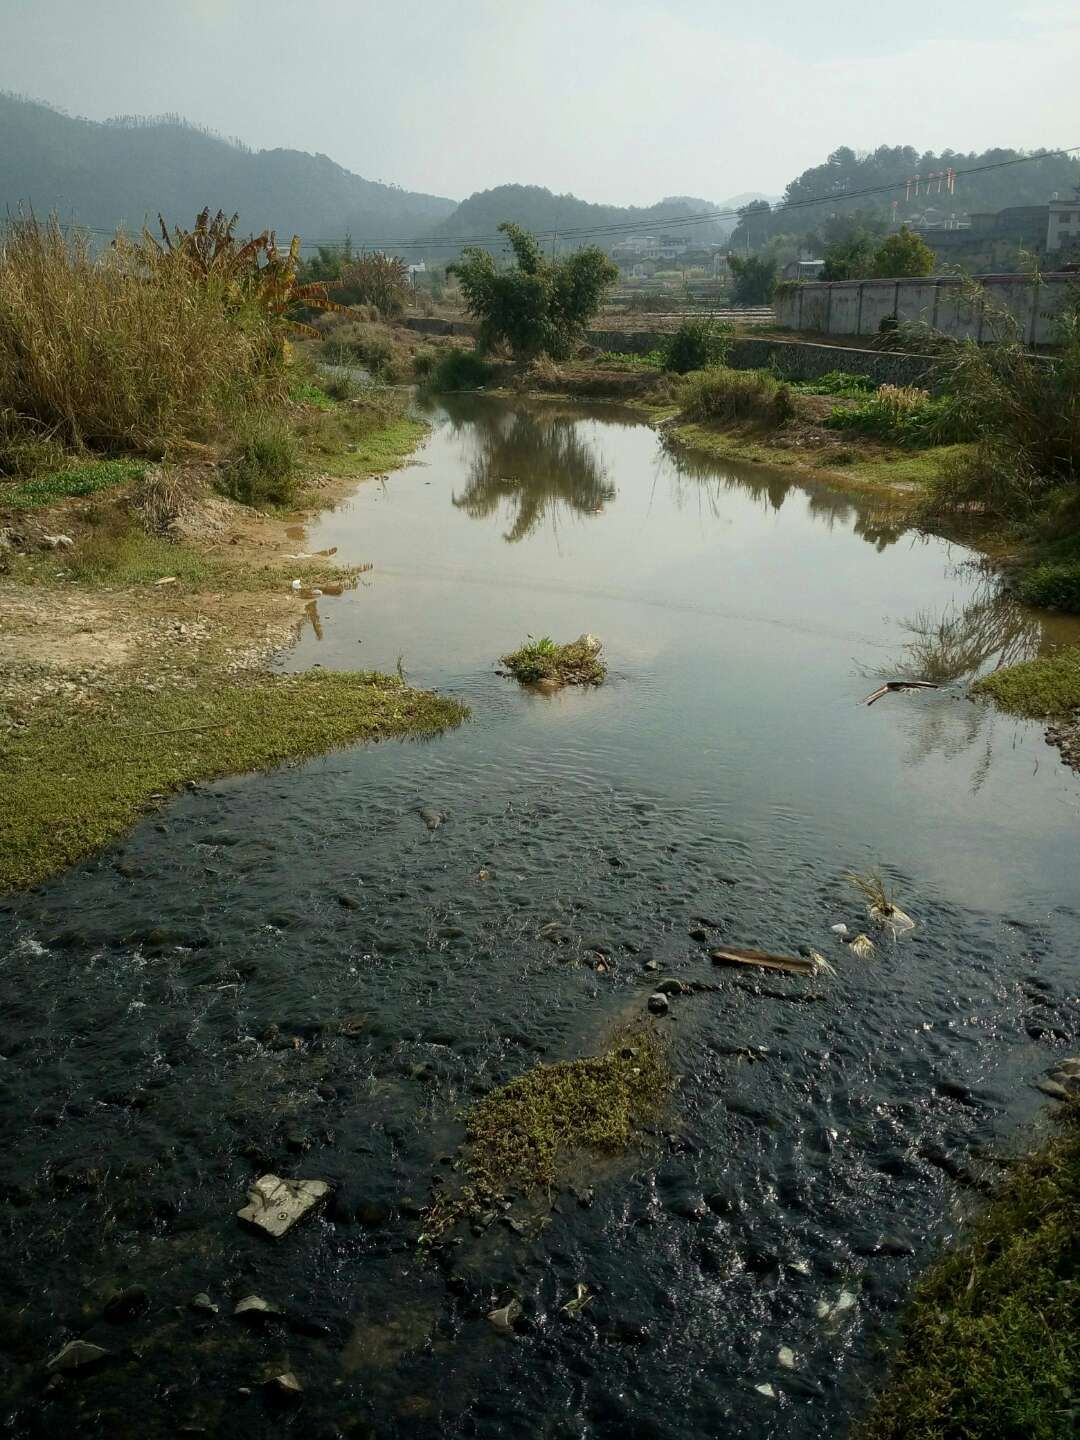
<point>293,972</point>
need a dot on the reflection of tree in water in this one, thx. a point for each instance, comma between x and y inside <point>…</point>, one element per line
<point>873,520</point>
<point>987,633</point>
<point>535,461</point>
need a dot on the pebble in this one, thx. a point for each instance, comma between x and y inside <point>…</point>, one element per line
<point>766,1390</point>
<point>204,1304</point>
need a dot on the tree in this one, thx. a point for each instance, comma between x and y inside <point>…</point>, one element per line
<point>540,306</point>
<point>901,255</point>
<point>848,259</point>
<point>755,278</point>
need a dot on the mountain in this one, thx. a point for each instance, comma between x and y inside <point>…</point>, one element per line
<point>541,210</point>
<point>127,170</point>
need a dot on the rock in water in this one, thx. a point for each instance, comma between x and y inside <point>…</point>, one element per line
<point>275,1205</point>
<point>659,1004</point>
<point>285,1386</point>
<point>254,1307</point>
<point>78,1355</point>
<point>431,818</point>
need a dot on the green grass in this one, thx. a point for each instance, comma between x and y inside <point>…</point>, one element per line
<point>263,468</point>
<point>74,779</point>
<point>77,480</point>
<point>834,382</point>
<point>306,392</point>
<point>989,1348</point>
<point>576,663</point>
<point>521,1135</point>
<point>1036,688</point>
<point>125,558</point>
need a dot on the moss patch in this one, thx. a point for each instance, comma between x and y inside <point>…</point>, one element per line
<point>74,779</point>
<point>1036,688</point>
<point>48,488</point>
<point>576,663</point>
<point>1053,584</point>
<point>990,1346</point>
<point>521,1135</point>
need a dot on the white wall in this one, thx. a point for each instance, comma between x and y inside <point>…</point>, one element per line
<point>857,307</point>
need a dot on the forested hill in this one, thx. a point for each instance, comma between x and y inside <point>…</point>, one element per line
<point>847,171</point>
<point>540,210</point>
<point>102,174</point>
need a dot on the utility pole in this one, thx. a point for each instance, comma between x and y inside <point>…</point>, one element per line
<point>554,242</point>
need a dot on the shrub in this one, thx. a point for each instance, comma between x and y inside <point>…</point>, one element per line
<point>1053,585</point>
<point>755,278</point>
<point>460,370</point>
<point>376,279</point>
<point>424,362</point>
<point>372,346</point>
<point>540,307</point>
<point>129,351</point>
<point>263,468</point>
<point>735,395</point>
<point>696,344</point>
<point>836,382</point>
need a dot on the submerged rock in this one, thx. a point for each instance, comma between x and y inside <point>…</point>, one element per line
<point>432,818</point>
<point>504,1318</point>
<point>658,1003</point>
<point>254,1309</point>
<point>126,1305</point>
<point>285,1386</point>
<point>203,1304</point>
<point>275,1205</point>
<point>78,1355</point>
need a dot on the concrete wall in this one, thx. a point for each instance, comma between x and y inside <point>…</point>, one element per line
<point>857,307</point>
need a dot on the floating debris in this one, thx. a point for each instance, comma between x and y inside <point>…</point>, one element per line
<point>880,906</point>
<point>580,1299</point>
<point>792,964</point>
<point>275,1205</point>
<point>893,686</point>
<point>862,946</point>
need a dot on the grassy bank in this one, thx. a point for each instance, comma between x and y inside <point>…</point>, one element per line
<point>161,438</point>
<point>989,1347</point>
<point>75,778</point>
<point>1044,689</point>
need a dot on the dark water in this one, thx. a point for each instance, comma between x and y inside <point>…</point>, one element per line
<point>293,973</point>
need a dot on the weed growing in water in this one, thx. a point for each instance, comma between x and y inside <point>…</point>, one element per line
<point>521,1135</point>
<point>577,663</point>
<point>1036,689</point>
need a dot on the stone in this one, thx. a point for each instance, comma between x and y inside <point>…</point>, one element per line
<point>652,966</point>
<point>658,1003</point>
<point>203,1304</point>
<point>285,1386</point>
<point>786,1357</point>
<point>503,1319</point>
<point>670,986</point>
<point>1053,1089</point>
<point>254,1308</point>
<point>432,818</point>
<point>78,1355</point>
<point>275,1205</point>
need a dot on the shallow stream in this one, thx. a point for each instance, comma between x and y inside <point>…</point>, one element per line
<point>292,972</point>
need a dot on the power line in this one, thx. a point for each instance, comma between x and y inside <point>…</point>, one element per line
<point>615,228</point>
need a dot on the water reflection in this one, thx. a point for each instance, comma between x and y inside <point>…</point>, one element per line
<point>536,462</point>
<point>954,647</point>
<point>874,520</point>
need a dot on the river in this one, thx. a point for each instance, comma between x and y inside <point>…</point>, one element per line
<point>293,972</point>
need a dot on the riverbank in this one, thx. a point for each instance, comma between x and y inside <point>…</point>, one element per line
<point>141,619</point>
<point>989,1345</point>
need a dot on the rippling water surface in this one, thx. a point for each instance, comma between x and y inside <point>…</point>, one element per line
<point>292,972</point>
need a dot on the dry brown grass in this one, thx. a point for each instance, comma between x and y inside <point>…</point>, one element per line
<point>121,351</point>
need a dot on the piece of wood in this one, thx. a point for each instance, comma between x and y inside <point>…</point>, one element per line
<point>793,964</point>
<point>892,686</point>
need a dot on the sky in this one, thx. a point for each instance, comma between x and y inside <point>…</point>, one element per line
<point>621,101</point>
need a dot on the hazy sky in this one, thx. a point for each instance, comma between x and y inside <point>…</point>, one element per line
<point>616,100</point>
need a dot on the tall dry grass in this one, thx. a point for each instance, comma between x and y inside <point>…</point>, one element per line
<point>122,350</point>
